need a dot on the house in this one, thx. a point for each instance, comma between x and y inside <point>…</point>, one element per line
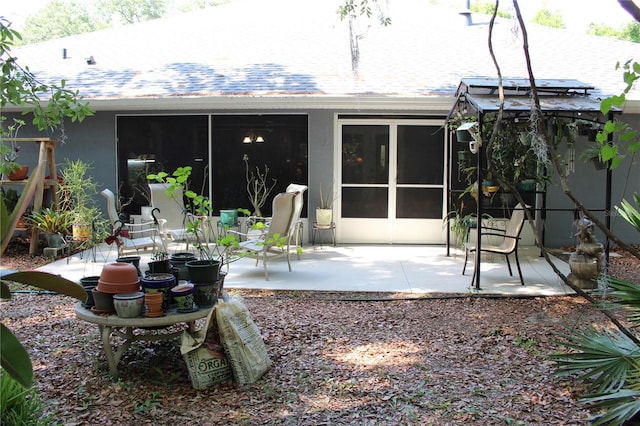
<point>205,89</point>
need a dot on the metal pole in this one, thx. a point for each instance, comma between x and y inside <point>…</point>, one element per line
<point>479,205</point>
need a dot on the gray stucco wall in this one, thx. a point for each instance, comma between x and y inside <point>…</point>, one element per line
<point>588,185</point>
<point>321,149</point>
<point>94,141</point>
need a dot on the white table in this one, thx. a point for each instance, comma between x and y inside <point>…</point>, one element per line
<point>114,326</point>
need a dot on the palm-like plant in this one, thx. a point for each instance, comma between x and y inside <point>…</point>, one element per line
<point>609,361</point>
<point>629,213</point>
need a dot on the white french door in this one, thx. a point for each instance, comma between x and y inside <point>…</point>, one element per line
<point>391,175</point>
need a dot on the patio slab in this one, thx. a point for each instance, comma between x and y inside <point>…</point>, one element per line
<point>412,269</point>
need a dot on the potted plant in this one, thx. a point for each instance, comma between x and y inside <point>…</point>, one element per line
<point>77,195</point>
<point>324,211</point>
<point>10,153</point>
<point>210,256</point>
<point>258,186</point>
<point>593,153</point>
<point>459,226</point>
<point>54,223</point>
<point>160,263</point>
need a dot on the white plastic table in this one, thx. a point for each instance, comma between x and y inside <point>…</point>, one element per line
<point>114,326</point>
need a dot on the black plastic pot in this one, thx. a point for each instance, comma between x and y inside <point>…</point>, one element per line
<point>179,260</point>
<point>160,267</point>
<point>203,271</point>
<point>132,260</point>
<point>89,284</point>
<point>205,295</point>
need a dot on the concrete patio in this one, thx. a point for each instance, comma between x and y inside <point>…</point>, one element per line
<point>412,269</point>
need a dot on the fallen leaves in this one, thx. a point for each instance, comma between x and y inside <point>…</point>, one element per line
<point>451,361</point>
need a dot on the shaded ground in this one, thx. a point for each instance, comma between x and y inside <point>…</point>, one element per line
<point>454,360</point>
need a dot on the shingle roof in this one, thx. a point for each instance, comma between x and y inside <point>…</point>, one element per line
<point>271,48</point>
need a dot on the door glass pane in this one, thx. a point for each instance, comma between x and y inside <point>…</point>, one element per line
<point>420,155</point>
<point>365,202</point>
<point>419,203</point>
<point>365,154</point>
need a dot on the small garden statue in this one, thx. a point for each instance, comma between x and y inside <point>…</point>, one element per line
<point>588,259</point>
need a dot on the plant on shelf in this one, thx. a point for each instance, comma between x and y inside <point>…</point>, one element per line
<point>77,194</point>
<point>21,88</point>
<point>9,152</point>
<point>55,223</point>
<point>51,221</point>
<point>258,186</point>
<point>10,198</point>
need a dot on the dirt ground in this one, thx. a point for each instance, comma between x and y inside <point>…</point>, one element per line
<point>337,359</point>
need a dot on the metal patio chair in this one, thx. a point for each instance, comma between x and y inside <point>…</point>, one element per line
<point>509,244</point>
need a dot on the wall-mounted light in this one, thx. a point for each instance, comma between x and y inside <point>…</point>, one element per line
<point>252,137</point>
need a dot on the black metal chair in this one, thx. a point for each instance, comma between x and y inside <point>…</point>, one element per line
<point>509,244</point>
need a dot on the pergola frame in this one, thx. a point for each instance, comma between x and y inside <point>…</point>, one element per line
<point>569,99</point>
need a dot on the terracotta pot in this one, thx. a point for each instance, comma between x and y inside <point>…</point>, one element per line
<point>118,278</point>
<point>159,283</point>
<point>19,174</point>
<point>153,304</point>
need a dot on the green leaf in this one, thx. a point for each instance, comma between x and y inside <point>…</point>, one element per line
<point>608,152</point>
<point>47,281</point>
<point>605,105</point>
<point>5,291</point>
<point>14,358</point>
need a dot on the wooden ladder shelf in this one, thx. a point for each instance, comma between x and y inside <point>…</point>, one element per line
<point>45,156</point>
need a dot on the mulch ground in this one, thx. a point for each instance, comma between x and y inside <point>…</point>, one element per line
<point>337,359</point>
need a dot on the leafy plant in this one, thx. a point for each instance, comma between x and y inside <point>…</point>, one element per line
<point>326,199</point>
<point>630,213</point>
<point>78,190</point>
<point>628,138</point>
<point>10,198</point>
<point>459,226</point>
<point>49,105</point>
<point>200,209</point>
<point>51,221</point>
<point>159,256</point>
<point>13,357</point>
<point>19,406</point>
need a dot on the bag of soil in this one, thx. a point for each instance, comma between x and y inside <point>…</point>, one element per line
<point>242,341</point>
